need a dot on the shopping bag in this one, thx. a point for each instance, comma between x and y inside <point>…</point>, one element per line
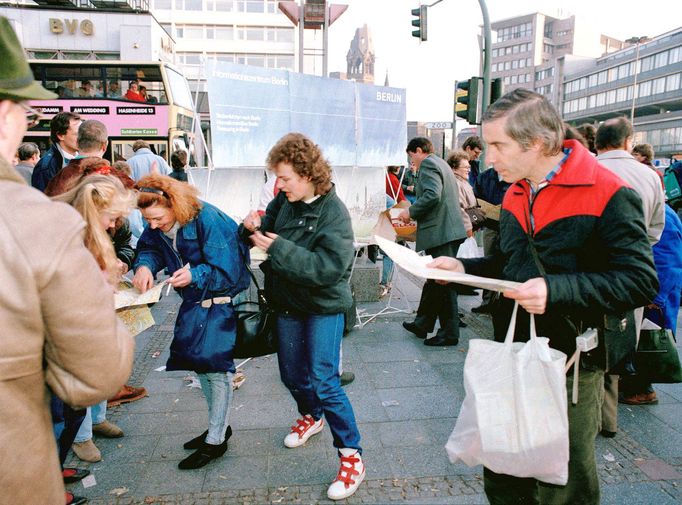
<point>514,417</point>
<point>469,249</point>
<point>656,358</point>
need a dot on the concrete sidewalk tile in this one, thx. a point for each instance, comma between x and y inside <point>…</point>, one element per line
<point>404,352</point>
<point>250,442</point>
<point>262,411</point>
<point>154,403</point>
<point>420,403</point>
<point>163,384</point>
<point>113,476</point>
<point>662,440</point>
<point>657,469</point>
<point>646,493</point>
<point>423,461</point>
<point>128,449</point>
<point>229,472</point>
<point>404,434</point>
<point>367,406</point>
<point>669,413</point>
<point>453,355</point>
<point>164,477</point>
<point>293,468</point>
<point>169,447</point>
<point>379,464</point>
<point>668,393</point>
<point>393,374</point>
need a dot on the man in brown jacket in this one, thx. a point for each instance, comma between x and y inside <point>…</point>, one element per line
<point>59,328</point>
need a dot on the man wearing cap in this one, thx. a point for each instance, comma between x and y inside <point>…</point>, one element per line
<point>53,336</point>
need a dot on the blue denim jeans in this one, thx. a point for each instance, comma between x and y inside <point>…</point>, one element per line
<point>308,355</point>
<point>95,415</point>
<point>217,388</point>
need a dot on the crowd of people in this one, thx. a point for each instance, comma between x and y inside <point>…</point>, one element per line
<point>581,225</point>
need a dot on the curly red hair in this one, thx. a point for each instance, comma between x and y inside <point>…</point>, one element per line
<point>181,197</point>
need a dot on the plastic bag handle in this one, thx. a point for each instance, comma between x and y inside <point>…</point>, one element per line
<point>509,339</point>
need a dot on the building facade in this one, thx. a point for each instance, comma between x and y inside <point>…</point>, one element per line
<point>605,87</point>
<point>527,50</point>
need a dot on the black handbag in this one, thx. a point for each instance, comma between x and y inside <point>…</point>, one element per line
<point>476,216</point>
<point>256,334</point>
<point>656,358</point>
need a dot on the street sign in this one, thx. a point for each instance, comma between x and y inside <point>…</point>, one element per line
<point>439,125</point>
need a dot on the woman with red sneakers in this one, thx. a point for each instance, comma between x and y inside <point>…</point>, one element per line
<point>306,231</point>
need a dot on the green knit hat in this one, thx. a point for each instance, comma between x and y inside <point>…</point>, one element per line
<point>16,79</point>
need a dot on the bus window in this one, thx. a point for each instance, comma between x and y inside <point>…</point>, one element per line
<point>148,77</point>
<point>72,81</point>
<point>179,89</point>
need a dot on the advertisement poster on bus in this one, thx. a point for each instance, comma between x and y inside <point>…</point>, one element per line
<point>251,108</point>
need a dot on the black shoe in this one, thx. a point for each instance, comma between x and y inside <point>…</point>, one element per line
<point>203,456</point>
<point>607,433</point>
<point>71,475</point>
<point>347,378</point>
<point>439,341</point>
<point>484,308</point>
<point>195,443</point>
<point>462,324</point>
<point>413,328</point>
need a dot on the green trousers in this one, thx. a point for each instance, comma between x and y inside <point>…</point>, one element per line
<point>582,487</point>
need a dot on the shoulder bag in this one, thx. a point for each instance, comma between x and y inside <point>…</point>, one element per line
<point>656,358</point>
<point>477,217</point>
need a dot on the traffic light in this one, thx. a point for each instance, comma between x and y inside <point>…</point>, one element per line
<point>420,23</point>
<point>496,89</point>
<point>467,99</point>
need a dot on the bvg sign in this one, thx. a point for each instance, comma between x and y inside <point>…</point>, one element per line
<point>59,26</point>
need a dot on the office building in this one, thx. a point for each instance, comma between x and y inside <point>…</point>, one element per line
<point>527,50</point>
<point>602,88</point>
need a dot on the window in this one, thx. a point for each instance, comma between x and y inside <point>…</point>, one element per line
<point>162,4</point>
<point>583,83</point>
<point>647,64</point>
<point>591,101</point>
<point>592,80</point>
<point>658,86</point>
<point>644,88</point>
<point>601,99</point>
<point>514,79</point>
<point>621,94</point>
<point>508,50</point>
<point>522,63</point>
<point>672,82</point>
<point>661,59</point>
<point>623,71</point>
<point>224,33</point>
<point>611,96</point>
<point>675,55</point>
<point>548,30</point>
<point>515,64</point>
<point>515,49</point>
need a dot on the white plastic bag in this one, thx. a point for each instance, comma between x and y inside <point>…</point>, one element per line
<point>514,417</point>
<point>469,249</point>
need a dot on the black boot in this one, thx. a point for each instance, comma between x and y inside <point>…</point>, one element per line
<point>196,442</point>
<point>203,455</point>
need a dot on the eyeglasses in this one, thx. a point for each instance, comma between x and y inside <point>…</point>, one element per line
<point>32,115</point>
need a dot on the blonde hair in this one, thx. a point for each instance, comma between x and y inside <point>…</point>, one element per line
<point>93,195</point>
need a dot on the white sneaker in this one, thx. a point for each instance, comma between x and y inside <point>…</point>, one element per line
<point>305,428</point>
<point>351,474</point>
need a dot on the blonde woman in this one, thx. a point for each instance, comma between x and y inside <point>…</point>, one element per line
<point>101,200</point>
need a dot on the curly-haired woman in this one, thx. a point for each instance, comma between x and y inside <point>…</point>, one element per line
<point>306,231</point>
<point>186,231</point>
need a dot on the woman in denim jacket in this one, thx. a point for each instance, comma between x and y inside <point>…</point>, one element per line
<point>186,231</point>
<point>306,231</point>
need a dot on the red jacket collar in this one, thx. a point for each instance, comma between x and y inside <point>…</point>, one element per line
<point>580,168</point>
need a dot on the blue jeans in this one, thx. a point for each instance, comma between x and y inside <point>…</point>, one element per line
<point>217,388</point>
<point>95,415</point>
<point>308,356</point>
<point>386,270</point>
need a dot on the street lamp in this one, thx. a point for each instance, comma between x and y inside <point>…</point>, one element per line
<point>638,41</point>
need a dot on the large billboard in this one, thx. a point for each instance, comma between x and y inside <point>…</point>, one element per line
<point>356,125</point>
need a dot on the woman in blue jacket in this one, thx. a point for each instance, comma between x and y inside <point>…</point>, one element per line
<point>186,231</point>
<point>306,231</point>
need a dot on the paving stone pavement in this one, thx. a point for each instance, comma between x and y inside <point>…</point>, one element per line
<point>406,397</point>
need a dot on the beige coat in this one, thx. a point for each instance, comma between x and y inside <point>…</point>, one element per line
<point>466,199</point>
<point>57,328</point>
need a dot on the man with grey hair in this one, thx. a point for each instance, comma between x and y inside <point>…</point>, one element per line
<point>614,143</point>
<point>572,233</point>
<point>28,154</point>
<point>145,162</point>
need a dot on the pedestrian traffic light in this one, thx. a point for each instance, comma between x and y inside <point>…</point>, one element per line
<point>420,22</point>
<point>496,89</point>
<point>467,100</point>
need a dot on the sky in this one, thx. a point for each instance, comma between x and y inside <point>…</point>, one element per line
<point>427,70</point>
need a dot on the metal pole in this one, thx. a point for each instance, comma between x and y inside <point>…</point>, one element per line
<point>634,86</point>
<point>486,68</point>
<point>325,40</point>
<point>301,32</point>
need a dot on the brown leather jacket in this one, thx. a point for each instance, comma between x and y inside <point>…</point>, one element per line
<point>58,328</point>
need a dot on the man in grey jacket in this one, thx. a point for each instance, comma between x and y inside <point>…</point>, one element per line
<point>440,232</point>
<point>614,143</point>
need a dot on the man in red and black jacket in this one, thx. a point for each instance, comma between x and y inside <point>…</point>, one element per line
<point>573,233</point>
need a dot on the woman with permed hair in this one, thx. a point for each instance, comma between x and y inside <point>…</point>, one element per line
<point>306,231</point>
<point>186,231</point>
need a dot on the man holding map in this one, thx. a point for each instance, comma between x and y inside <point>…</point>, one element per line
<point>573,234</point>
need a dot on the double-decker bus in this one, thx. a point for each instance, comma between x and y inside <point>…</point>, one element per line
<point>149,101</point>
